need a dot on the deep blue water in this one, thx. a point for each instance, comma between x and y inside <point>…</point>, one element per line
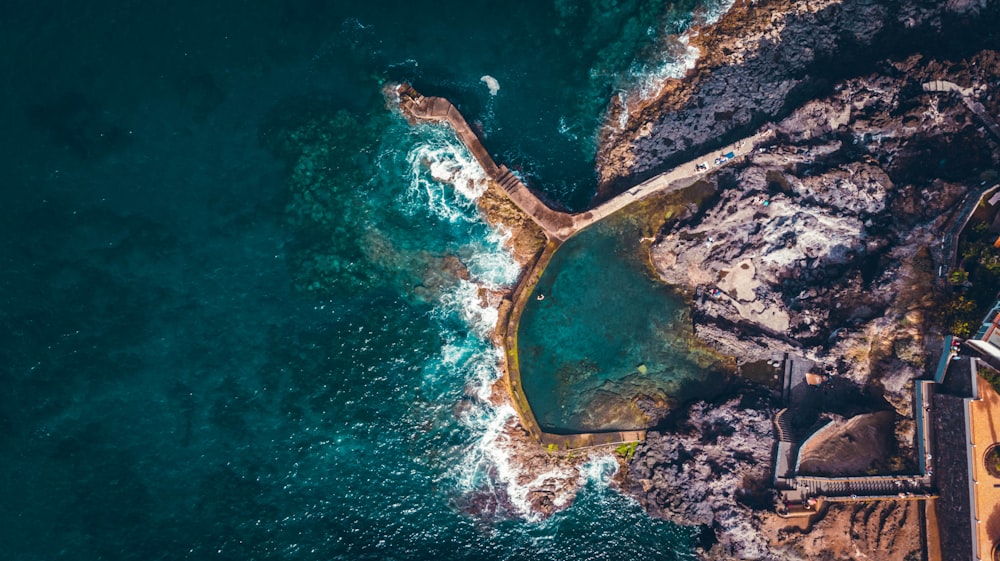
<point>238,311</point>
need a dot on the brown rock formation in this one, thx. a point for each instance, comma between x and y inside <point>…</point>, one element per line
<point>763,59</point>
<point>826,244</point>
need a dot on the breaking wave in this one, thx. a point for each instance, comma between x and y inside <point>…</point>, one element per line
<point>444,177</point>
<point>446,180</point>
<point>676,57</point>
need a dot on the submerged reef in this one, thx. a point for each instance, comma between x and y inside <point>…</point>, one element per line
<point>333,159</point>
<point>329,156</point>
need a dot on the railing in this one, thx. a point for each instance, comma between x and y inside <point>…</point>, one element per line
<point>798,456</point>
<point>921,402</point>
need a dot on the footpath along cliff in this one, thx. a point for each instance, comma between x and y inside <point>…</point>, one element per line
<point>826,243</point>
<point>763,59</point>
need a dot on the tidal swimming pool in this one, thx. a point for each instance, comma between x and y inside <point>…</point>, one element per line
<point>603,345</point>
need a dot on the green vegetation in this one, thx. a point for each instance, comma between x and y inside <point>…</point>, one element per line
<point>626,450</point>
<point>962,315</point>
<point>552,448</point>
<point>977,277</point>
<point>992,461</point>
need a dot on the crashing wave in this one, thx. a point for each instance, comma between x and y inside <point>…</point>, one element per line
<point>444,178</point>
<point>677,57</point>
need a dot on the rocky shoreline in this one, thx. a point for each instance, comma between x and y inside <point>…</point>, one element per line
<point>826,244</point>
<point>763,59</point>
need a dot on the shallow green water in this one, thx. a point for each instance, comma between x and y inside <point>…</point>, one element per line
<point>606,340</point>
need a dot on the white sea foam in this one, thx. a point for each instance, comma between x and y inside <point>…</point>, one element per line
<point>676,58</point>
<point>565,129</point>
<point>491,83</point>
<point>682,57</point>
<point>492,266</point>
<point>648,80</point>
<point>465,302</point>
<point>489,463</point>
<point>715,10</point>
<point>444,178</point>
<point>600,470</point>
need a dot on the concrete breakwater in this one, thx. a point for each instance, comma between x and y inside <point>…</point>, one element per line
<point>415,107</point>
<point>558,227</point>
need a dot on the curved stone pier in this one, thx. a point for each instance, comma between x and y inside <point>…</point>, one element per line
<point>558,227</point>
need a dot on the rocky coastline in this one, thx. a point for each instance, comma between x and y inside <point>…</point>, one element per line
<point>827,243</point>
<point>763,59</point>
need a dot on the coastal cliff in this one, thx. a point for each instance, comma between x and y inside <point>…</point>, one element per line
<point>827,243</point>
<point>824,239</point>
<point>763,59</point>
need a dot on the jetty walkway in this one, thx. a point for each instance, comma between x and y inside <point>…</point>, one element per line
<point>968,98</point>
<point>415,107</point>
<point>557,225</point>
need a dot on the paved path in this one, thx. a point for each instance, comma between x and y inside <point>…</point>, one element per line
<point>560,225</point>
<point>796,387</point>
<point>972,199</point>
<point>787,448</point>
<point>946,86</point>
<point>676,179</point>
<point>439,110</point>
<point>922,411</point>
<point>881,487</point>
<point>969,100</point>
<point>984,421</point>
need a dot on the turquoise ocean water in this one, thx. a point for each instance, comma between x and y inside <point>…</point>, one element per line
<point>239,299</point>
<point>607,338</point>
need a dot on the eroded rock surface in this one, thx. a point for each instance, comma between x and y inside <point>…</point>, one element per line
<point>826,244</point>
<point>763,59</point>
<point>707,470</point>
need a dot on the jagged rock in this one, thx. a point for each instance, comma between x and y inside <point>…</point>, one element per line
<point>698,474</point>
<point>761,60</point>
<point>825,244</point>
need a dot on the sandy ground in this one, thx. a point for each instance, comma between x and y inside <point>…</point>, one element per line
<point>848,447</point>
<point>875,530</point>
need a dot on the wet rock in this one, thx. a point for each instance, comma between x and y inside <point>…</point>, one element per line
<point>826,244</point>
<point>760,61</point>
<point>706,470</point>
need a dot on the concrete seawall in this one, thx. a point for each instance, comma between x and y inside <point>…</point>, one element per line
<point>558,227</point>
<point>507,331</point>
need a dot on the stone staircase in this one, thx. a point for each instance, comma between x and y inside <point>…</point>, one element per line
<point>507,180</point>
<point>859,486</point>
<point>785,432</point>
